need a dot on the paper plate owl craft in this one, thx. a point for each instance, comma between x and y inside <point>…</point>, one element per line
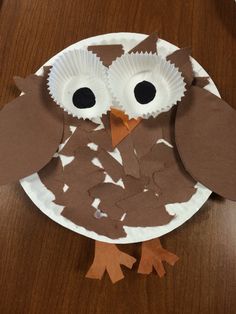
<point>120,139</point>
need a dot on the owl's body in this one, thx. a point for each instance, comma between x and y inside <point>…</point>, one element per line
<point>132,191</point>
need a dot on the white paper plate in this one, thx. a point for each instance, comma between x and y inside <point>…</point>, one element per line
<point>43,198</point>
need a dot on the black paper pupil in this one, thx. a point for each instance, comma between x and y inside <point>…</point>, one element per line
<point>144,92</point>
<point>83,98</point>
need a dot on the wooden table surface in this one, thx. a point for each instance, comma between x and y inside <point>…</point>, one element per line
<point>43,265</point>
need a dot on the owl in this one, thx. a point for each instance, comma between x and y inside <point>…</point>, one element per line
<point>113,151</point>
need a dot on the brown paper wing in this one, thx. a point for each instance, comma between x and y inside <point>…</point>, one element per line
<point>205,133</point>
<point>31,128</point>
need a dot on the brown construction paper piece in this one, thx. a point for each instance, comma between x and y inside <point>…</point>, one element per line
<point>152,186</point>
<point>163,155</point>
<point>110,165</point>
<point>109,258</point>
<point>82,172</point>
<point>166,121</point>
<point>175,185</point>
<point>205,131</point>
<point>86,125</point>
<point>77,169</point>
<point>153,255</point>
<point>144,210</point>
<point>121,126</point>
<point>181,59</point>
<point>109,193</point>
<point>134,186</point>
<point>52,176</point>
<point>70,120</point>
<point>28,84</point>
<point>85,154</point>
<point>78,138</point>
<point>73,198</point>
<point>148,166</point>
<point>129,159</point>
<point>102,138</point>
<point>162,163</point>
<point>201,81</point>
<point>152,130</point>
<point>149,44</point>
<point>31,129</point>
<point>148,130</point>
<point>111,209</point>
<point>86,182</point>
<point>85,217</point>
<point>106,121</point>
<point>155,159</point>
<point>107,53</point>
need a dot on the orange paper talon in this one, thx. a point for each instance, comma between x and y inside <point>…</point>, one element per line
<point>153,256</point>
<point>109,258</point>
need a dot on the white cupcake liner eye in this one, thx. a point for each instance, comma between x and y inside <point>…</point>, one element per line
<point>145,84</point>
<point>78,83</point>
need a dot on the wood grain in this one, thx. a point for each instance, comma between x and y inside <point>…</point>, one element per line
<point>42,265</point>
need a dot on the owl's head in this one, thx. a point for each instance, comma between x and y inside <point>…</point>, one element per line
<point>140,84</point>
<point>132,85</point>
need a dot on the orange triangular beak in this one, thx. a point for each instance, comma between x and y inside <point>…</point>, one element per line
<point>121,126</point>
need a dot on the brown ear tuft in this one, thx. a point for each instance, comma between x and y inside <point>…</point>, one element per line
<point>201,81</point>
<point>149,44</point>
<point>181,59</point>
<point>107,53</point>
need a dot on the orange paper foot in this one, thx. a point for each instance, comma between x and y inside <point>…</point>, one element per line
<point>109,258</point>
<point>153,255</point>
